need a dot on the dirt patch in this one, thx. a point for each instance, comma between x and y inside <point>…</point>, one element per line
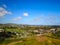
<point>41,38</point>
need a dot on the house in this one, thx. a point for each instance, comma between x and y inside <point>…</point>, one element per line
<point>53,30</point>
<point>1,30</point>
<point>36,31</point>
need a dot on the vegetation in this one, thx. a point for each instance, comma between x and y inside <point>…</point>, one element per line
<point>13,34</point>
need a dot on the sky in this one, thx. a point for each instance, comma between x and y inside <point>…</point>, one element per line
<point>32,12</point>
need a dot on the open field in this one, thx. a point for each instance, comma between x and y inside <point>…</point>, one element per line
<point>35,40</point>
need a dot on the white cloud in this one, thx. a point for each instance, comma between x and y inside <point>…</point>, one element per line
<point>18,18</point>
<point>4,6</point>
<point>36,20</point>
<point>3,12</point>
<point>25,14</point>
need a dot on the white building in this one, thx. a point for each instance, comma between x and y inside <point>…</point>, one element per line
<point>1,30</point>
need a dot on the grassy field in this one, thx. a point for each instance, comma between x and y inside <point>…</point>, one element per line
<point>15,30</point>
<point>41,40</point>
<point>46,39</point>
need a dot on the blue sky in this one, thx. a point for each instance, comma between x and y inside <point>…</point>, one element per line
<point>32,12</point>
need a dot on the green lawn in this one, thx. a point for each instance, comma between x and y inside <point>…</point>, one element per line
<point>15,30</point>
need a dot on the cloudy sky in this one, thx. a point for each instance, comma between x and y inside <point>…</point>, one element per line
<point>32,12</point>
